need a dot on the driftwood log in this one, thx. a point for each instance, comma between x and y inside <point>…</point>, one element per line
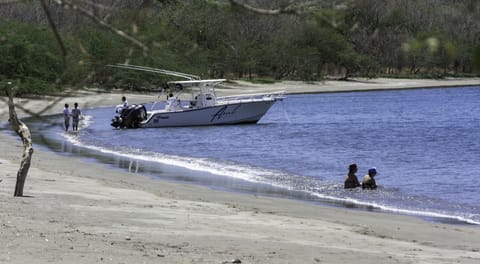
<point>22,130</point>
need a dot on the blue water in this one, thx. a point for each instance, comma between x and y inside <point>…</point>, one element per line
<point>424,143</point>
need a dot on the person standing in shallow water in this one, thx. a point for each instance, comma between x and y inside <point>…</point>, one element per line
<point>351,181</point>
<point>76,113</point>
<point>368,181</point>
<point>66,117</point>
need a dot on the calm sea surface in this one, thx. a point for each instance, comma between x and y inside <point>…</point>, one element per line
<point>425,144</point>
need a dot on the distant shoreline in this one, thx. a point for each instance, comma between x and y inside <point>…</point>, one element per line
<point>355,85</point>
<point>395,89</point>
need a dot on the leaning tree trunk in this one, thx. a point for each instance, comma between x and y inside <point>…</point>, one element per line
<point>22,130</point>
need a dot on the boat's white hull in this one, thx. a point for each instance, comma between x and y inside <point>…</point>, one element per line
<point>223,114</point>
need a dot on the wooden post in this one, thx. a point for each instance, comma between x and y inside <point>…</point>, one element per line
<point>22,130</point>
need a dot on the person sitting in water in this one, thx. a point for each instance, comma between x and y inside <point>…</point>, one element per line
<point>351,181</point>
<point>368,181</point>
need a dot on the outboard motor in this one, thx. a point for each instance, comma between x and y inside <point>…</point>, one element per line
<point>129,117</point>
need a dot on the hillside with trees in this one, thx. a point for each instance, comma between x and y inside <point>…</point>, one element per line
<point>255,40</point>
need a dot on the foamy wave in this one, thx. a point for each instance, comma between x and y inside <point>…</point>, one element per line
<point>86,121</point>
<point>395,210</point>
<point>247,173</point>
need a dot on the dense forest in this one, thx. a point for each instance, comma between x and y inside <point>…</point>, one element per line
<point>250,39</point>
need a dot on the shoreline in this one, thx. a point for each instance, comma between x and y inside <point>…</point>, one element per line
<point>79,212</point>
<point>356,85</point>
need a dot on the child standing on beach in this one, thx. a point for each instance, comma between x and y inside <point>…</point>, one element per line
<point>76,113</point>
<point>66,117</point>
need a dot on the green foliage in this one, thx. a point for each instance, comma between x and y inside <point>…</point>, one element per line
<point>428,38</point>
<point>476,58</point>
<point>27,59</point>
<point>213,40</point>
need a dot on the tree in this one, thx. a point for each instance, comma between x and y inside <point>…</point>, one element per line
<point>24,133</point>
<point>476,58</point>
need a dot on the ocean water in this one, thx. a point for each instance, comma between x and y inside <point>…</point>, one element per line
<point>424,143</point>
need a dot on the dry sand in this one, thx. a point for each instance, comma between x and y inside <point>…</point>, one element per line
<point>78,212</point>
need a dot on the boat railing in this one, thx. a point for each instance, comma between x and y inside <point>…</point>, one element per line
<point>253,97</point>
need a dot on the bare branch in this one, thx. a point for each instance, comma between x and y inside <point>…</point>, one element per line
<point>89,14</point>
<point>97,5</point>
<point>285,10</point>
<point>292,7</point>
<point>9,2</point>
<point>55,32</point>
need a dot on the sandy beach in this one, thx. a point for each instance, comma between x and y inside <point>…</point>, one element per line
<point>79,212</point>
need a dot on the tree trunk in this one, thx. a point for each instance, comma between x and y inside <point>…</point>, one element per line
<point>22,130</point>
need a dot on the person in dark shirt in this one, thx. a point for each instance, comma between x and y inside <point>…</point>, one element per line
<point>351,181</point>
<point>76,114</point>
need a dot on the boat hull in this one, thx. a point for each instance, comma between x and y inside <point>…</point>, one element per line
<point>223,114</point>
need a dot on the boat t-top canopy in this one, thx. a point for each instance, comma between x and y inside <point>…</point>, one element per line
<point>193,83</point>
<point>156,70</point>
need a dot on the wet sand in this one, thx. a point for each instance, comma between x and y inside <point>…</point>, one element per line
<point>79,212</point>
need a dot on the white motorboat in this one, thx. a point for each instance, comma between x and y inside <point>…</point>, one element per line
<point>204,108</point>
